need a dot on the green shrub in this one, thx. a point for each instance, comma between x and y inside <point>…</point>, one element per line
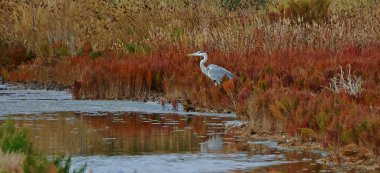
<point>322,119</point>
<point>63,165</point>
<point>61,52</point>
<point>230,4</point>
<point>309,10</point>
<point>96,54</point>
<point>302,11</point>
<point>246,4</point>
<point>131,48</point>
<point>177,33</point>
<point>360,128</point>
<point>13,140</point>
<point>351,8</point>
<point>347,136</point>
<point>147,48</point>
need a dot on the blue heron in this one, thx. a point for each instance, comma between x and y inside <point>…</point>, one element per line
<point>214,72</point>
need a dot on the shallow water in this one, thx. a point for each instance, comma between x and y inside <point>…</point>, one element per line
<point>140,142</point>
<point>126,136</point>
<point>15,101</point>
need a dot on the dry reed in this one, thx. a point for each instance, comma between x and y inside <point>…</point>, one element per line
<point>131,50</point>
<point>11,162</point>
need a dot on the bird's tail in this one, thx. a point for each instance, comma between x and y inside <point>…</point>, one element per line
<point>230,75</point>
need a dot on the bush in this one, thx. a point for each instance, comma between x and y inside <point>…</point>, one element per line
<point>15,143</point>
<point>245,4</point>
<point>348,83</point>
<point>63,164</point>
<point>13,140</point>
<point>230,4</point>
<point>303,11</point>
<point>14,54</point>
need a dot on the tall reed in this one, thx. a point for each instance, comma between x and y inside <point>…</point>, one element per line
<point>120,50</point>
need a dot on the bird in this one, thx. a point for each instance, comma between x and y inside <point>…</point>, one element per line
<point>214,72</point>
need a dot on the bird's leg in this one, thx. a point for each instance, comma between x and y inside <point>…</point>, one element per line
<point>216,83</point>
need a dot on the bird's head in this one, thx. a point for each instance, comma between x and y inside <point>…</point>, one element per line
<point>199,53</point>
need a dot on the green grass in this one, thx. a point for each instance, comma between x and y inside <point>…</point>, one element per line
<point>63,164</point>
<point>125,50</point>
<point>15,141</point>
<point>12,140</point>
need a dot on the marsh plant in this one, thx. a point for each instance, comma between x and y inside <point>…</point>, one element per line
<point>348,83</point>
<point>17,154</point>
<point>282,53</point>
<point>16,142</point>
<point>145,26</point>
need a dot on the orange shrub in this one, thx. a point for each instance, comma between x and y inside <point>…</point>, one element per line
<point>282,91</point>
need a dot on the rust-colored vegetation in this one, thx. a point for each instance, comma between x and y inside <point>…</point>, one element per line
<point>283,56</point>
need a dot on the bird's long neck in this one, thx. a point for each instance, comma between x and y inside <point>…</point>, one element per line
<point>202,64</point>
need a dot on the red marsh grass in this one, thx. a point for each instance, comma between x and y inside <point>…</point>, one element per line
<point>282,64</point>
<point>281,91</point>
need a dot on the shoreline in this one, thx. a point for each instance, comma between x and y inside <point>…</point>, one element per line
<point>149,97</point>
<point>35,85</point>
<point>350,157</point>
<point>347,158</point>
<point>154,97</point>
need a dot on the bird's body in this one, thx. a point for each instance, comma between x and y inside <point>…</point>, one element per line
<point>214,72</point>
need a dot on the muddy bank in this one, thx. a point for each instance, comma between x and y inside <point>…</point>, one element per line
<point>35,85</point>
<point>349,158</point>
<point>344,158</point>
<point>27,101</point>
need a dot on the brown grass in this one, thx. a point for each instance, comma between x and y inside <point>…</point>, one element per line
<point>281,63</point>
<point>153,25</point>
<point>11,162</point>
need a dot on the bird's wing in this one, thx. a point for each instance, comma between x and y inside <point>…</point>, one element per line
<point>217,73</point>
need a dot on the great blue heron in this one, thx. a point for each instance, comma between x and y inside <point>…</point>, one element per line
<point>216,73</point>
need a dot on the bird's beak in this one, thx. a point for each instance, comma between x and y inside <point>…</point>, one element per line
<point>192,54</point>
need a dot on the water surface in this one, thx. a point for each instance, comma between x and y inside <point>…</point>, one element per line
<point>142,142</point>
<point>16,101</point>
<point>128,136</point>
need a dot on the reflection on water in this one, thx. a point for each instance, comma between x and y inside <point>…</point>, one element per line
<point>127,133</point>
<point>213,144</point>
<point>138,142</point>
